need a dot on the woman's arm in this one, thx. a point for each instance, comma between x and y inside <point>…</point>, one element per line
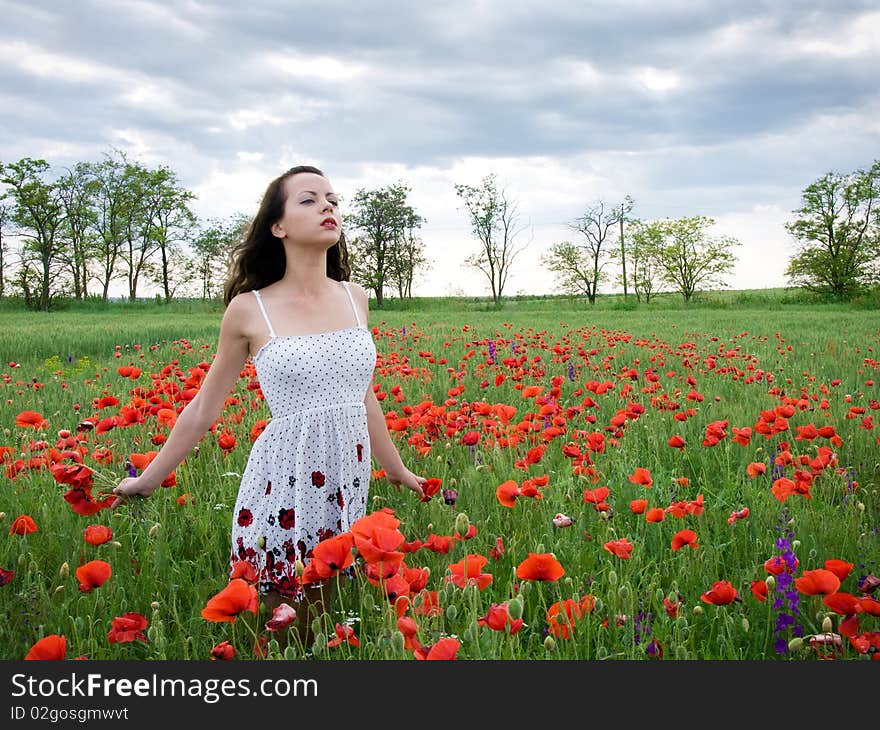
<point>381,445</point>
<point>201,412</point>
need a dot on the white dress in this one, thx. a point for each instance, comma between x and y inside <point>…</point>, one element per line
<point>308,472</point>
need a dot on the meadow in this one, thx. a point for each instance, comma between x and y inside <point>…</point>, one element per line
<point>614,482</point>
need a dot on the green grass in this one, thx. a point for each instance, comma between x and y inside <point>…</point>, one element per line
<point>67,359</point>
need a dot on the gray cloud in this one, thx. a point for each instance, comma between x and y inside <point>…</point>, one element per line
<point>716,105</point>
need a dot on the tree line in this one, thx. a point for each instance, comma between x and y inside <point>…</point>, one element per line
<point>70,234</point>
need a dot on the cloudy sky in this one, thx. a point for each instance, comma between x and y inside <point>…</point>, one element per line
<point>720,108</point>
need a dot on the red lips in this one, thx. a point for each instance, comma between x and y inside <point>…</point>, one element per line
<point>330,220</point>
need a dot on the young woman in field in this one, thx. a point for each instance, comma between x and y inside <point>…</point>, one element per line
<point>290,306</point>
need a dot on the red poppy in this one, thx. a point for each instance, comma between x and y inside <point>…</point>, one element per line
<point>777,565</point>
<point>498,618</point>
<point>642,476</point>
<point>497,552</point>
<point>380,545</point>
<point>52,647</point>
<point>756,468</point>
<point>31,419</point>
<point>76,475</point>
<point>540,566</point>
<point>507,493</point>
<point>655,514</point>
<point>596,496</point>
<point>621,548</point>
<point>758,589</point>
<point>638,506</point>
<point>223,651</point>
<point>676,442</point>
<point>817,582</point>
<point>127,628</point>
<point>244,570</point>
<point>6,577</point>
<point>444,649</point>
<point>720,594</point>
<point>430,488</point>
<point>344,635</point>
<point>97,534</point>
<point>93,574</point>
<point>684,537</point>
<point>467,571</point>
<point>408,627</point>
<point>23,525</point>
<point>333,554</point>
<point>840,568</point>
<point>561,615</point>
<point>282,615</point>
<point>236,597</point>
<point>470,438</point>
<point>841,603</point>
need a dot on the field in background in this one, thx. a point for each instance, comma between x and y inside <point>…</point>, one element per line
<point>576,376</point>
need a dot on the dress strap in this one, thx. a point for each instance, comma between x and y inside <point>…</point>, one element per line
<point>265,316</point>
<point>351,299</point>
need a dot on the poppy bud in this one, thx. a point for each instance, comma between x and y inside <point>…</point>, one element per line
<point>624,591</point>
<point>860,506</point>
<point>368,600</point>
<point>462,523</point>
<point>261,542</point>
<point>549,643</point>
<point>515,608</point>
<point>58,591</point>
<point>22,559</point>
<point>770,581</point>
<point>796,644</point>
<point>601,653</point>
<point>64,570</point>
<point>746,624</point>
<point>320,642</point>
<point>397,642</point>
<point>612,577</point>
<point>827,625</point>
<point>154,530</point>
<point>430,526</point>
<point>451,612</point>
<point>289,652</point>
<point>116,544</point>
<point>698,610</point>
<point>2,516</point>
<point>795,544</point>
<point>540,548</point>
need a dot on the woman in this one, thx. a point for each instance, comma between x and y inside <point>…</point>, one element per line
<point>290,306</point>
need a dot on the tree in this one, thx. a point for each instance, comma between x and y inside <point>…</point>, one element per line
<point>409,257</point>
<point>495,224</point>
<point>383,218</point>
<point>38,210</point>
<point>170,220</point>
<point>644,242</point>
<point>212,248</point>
<point>625,209</point>
<point>568,262</point>
<point>688,259</point>
<point>112,203</point>
<point>75,190</point>
<point>5,216</point>
<point>140,242</point>
<point>838,231</point>
<point>595,226</point>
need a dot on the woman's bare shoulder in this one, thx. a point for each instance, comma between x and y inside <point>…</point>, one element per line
<point>240,311</point>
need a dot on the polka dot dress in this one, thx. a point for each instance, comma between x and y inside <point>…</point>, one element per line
<point>309,470</point>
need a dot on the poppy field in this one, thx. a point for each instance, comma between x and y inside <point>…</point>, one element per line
<point>601,485</point>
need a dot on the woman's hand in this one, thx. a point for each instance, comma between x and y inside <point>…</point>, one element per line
<point>130,487</point>
<point>407,479</point>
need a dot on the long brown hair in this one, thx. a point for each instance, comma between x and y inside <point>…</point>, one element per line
<point>259,260</point>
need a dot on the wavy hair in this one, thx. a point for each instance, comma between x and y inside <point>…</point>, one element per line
<point>259,260</point>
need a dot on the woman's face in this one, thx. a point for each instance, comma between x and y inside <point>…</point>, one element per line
<point>311,211</point>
